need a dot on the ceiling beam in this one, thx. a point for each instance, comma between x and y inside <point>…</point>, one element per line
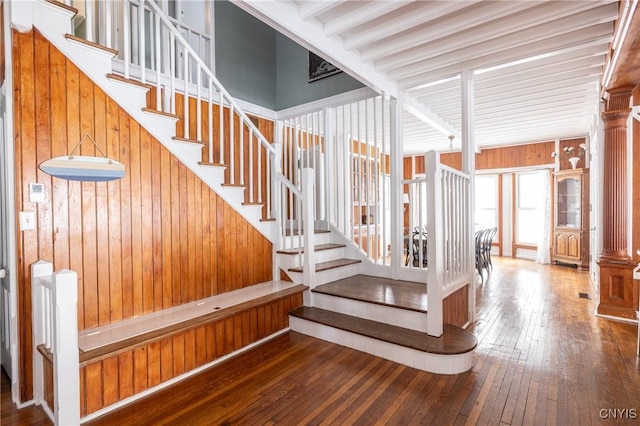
<point>412,17</point>
<point>312,9</point>
<point>547,20</point>
<point>426,115</point>
<point>597,36</point>
<point>361,15</point>
<point>431,30</point>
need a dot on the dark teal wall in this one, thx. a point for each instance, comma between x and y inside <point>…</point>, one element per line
<point>245,55</point>
<point>293,87</point>
<point>259,65</point>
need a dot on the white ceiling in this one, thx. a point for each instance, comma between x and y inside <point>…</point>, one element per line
<point>536,64</point>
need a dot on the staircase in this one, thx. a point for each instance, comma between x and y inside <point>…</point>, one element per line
<point>386,318</point>
<point>360,324</point>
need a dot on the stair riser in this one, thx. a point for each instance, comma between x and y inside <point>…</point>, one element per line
<point>320,238</point>
<point>386,314</point>
<point>329,275</point>
<point>434,363</point>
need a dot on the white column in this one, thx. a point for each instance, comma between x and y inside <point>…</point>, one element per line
<point>276,170</point>
<point>469,167</point>
<point>66,362</point>
<point>435,242</point>
<point>308,196</point>
<point>395,154</point>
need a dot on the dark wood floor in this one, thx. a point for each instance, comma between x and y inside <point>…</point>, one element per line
<point>542,358</point>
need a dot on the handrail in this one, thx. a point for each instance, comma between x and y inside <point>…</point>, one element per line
<point>289,185</point>
<point>208,72</point>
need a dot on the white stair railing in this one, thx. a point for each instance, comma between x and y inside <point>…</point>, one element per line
<point>347,145</point>
<point>55,330</point>
<point>449,238</point>
<point>155,51</point>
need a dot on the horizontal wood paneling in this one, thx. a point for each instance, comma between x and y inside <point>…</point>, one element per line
<point>117,377</point>
<point>157,238</point>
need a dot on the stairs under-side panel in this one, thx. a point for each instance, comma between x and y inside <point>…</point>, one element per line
<point>54,22</point>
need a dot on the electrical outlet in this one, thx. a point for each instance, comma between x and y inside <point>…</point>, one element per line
<point>27,221</point>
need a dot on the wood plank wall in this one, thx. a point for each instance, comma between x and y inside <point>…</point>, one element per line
<point>455,308</point>
<point>122,375</point>
<point>534,154</point>
<point>157,238</point>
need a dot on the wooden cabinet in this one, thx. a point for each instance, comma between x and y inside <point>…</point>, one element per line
<point>571,217</point>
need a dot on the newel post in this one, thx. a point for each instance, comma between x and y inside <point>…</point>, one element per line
<point>435,269</point>
<point>66,360</point>
<point>308,197</point>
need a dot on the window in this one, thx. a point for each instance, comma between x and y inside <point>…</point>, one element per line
<point>529,201</point>
<point>419,203</point>
<point>486,201</point>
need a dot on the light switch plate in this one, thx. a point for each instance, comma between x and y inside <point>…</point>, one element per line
<point>27,221</point>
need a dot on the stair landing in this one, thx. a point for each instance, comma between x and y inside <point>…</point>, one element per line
<point>381,291</point>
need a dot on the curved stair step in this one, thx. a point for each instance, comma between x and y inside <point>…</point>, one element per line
<point>451,353</point>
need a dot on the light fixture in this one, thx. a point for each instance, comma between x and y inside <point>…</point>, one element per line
<point>451,137</point>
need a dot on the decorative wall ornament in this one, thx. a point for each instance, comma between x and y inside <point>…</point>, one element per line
<point>82,167</point>
<point>319,68</point>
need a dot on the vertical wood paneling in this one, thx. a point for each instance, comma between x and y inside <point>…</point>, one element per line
<point>138,244</point>
<point>120,376</point>
<point>456,307</point>
<point>534,154</point>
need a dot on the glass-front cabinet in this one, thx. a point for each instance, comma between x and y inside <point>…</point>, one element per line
<point>571,225</point>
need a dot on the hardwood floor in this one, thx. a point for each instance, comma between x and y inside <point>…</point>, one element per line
<point>542,358</point>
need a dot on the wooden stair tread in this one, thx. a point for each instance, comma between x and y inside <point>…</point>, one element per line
<point>168,115</point>
<point>323,266</point>
<point>406,295</point>
<point>290,232</point>
<point>90,43</point>
<point>177,138</point>
<point>63,5</point>
<point>131,81</point>
<point>317,247</point>
<point>454,340</point>
<point>207,164</point>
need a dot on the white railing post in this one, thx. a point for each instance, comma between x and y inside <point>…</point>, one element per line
<point>39,270</point>
<point>435,270</point>
<point>278,189</point>
<point>308,195</point>
<point>55,325</point>
<point>395,198</point>
<point>328,170</point>
<point>66,362</point>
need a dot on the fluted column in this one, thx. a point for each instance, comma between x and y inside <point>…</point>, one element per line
<point>615,189</point>
<point>618,295</point>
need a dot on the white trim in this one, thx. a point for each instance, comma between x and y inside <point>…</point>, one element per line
<point>170,382</point>
<point>515,169</point>
<point>7,90</point>
<point>329,102</point>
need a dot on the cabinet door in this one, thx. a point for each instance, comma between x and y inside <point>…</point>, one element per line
<point>561,245</point>
<point>573,246</point>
